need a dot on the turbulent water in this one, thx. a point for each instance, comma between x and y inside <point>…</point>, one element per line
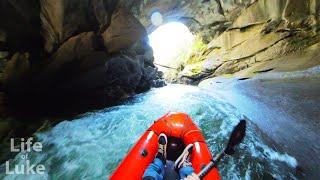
<point>91,146</point>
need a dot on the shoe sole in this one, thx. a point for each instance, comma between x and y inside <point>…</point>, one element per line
<point>183,154</point>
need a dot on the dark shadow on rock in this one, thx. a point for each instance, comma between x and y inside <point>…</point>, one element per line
<point>242,79</point>
<point>264,71</point>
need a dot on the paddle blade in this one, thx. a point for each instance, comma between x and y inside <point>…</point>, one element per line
<point>236,137</point>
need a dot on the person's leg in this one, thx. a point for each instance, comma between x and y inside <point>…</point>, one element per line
<point>185,171</point>
<point>155,170</point>
<point>183,162</point>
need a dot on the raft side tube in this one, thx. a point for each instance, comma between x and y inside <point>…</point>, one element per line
<point>138,159</point>
<point>174,125</point>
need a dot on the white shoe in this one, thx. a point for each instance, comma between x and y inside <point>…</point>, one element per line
<point>183,160</point>
<point>162,145</point>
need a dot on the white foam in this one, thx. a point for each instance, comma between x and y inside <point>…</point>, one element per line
<point>93,145</point>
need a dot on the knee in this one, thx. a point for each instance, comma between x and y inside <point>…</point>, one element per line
<point>185,171</point>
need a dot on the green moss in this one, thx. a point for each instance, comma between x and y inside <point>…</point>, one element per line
<point>299,42</point>
<point>196,52</point>
<point>191,62</point>
<point>192,70</point>
<point>228,75</point>
<point>305,40</point>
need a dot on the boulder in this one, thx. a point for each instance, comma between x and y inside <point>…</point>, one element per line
<point>73,49</point>
<point>61,19</point>
<point>123,31</point>
<point>123,72</point>
<point>97,77</point>
<point>211,64</point>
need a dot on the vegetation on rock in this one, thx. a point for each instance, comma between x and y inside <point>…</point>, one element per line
<point>258,37</point>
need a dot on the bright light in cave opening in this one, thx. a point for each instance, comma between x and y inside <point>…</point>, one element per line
<point>168,42</point>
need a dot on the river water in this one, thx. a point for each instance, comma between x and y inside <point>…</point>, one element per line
<point>92,145</point>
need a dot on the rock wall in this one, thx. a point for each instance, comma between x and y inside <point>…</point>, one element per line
<point>239,34</point>
<point>262,37</point>
<point>98,49</point>
<point>207,18</point>
<point>70,55</point>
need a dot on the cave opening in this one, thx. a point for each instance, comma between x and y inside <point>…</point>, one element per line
<point>170,42</point>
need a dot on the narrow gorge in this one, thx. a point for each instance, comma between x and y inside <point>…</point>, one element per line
<point>103,68</point>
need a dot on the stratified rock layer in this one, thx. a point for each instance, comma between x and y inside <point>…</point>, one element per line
<point>263,36</point>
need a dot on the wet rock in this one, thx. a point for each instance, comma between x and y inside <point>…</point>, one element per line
<point>16,74</point>
<point>20,25</point>
<point>123,72</point>
<point>62,19</point>
<point>141,52</point>
<point>123,32</point>
<point>76,48</point>
<point>154,77</point>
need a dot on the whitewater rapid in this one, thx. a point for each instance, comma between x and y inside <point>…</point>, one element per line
<point>92,145</point>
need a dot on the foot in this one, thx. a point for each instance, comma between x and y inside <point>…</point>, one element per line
<point>184,159</point>
<point>162,147</point>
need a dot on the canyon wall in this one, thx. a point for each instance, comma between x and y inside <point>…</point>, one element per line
<point>68,54</point>
<point>241,36</point>
<point>65,57</point>
<point>279,35</point>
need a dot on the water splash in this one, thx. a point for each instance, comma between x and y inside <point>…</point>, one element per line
<point>92,146</point>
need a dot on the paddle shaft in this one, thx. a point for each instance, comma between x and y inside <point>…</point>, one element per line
<point>235,139</point>
<point>211,165</point>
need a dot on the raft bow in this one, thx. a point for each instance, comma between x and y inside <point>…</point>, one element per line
<point>180,131</point>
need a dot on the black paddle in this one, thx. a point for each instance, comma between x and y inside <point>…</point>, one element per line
<point>235,139</point>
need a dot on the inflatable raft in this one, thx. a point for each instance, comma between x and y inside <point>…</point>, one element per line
<point>180,131</point>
